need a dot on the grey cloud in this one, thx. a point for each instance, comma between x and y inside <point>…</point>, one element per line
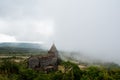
<point>89,26</point>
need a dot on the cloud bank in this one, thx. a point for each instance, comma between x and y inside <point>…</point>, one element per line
<point>89,26</point>
<point>7,38</point>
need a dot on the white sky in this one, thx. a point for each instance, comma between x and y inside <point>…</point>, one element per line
<point>89,26</point>
<point>6,38</point>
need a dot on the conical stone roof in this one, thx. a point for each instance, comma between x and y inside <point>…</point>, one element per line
<point>53,49</point>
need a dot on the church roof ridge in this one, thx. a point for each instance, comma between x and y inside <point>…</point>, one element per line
<point>53,48</point>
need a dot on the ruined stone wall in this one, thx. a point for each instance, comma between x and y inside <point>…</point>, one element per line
<point>33,62</point>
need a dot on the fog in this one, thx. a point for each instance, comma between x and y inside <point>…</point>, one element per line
<point>91,27</point>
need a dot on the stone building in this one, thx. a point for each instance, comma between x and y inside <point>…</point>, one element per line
<point>46,62</point>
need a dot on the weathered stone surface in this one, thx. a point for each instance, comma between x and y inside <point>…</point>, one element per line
<point>45,62</point>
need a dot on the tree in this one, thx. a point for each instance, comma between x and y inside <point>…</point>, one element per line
<point>27,74</point>
<point>71,71</point>
<point>8,67</point>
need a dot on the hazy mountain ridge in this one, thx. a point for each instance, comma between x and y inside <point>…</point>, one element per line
<point>21,48</point>
<point>21,45</point>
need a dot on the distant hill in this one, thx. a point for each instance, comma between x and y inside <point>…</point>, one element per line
<point>21,45</point>
<point>21,48</point>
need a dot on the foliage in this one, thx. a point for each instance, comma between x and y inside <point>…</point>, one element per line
<point>27,74</point>
<point>10,70</point>
<point>8,67</point>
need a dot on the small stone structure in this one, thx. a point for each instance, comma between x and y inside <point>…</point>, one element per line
<point>47,62</point>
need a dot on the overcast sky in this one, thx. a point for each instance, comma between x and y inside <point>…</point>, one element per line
<point>89,26</point>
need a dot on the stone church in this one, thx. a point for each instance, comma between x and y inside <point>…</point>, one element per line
<point>46,62</point>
